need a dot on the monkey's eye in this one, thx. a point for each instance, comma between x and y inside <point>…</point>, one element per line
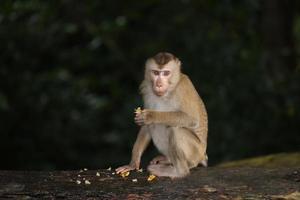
<point>166,73</point>
<point>155,72</point>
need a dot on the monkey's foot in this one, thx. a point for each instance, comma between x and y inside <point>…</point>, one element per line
<point>160,160</point>
<point>162,170</point>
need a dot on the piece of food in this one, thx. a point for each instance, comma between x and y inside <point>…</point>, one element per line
<point>97,174</point>
<point>109,169</point>
<point>78,182</point>
<point>125,174</point>
<point>85,169</point>
<point>138,110</point>
<point>140,170</point>
<point>151,177</point>
<point>134,180</point>
<point>87,182</point>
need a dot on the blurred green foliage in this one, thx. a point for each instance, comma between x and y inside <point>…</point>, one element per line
<point>70,70</point>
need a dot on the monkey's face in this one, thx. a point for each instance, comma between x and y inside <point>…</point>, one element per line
<point>160,79</point>
<point>163,76</point>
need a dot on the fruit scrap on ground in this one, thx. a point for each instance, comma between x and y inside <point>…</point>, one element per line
<point>125,174</point>
<point>151,177</point>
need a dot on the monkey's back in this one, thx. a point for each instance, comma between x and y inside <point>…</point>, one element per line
<point>192,104</point>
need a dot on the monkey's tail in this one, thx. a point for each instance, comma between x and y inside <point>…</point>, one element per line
<point>204,162</point>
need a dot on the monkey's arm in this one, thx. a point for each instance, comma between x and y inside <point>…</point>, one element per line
<point>139,147</point>
<point>174,118</point>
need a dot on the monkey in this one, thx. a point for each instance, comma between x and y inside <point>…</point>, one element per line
<point>174,118</point>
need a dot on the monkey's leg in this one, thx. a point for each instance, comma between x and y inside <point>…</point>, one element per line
<point>162,170</point>
<point>184,153</point>
<point>179,166</point>
<point>160,160</point>
<point>178,152</point>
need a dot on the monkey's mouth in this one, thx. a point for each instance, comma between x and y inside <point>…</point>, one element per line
<point>160,93</point>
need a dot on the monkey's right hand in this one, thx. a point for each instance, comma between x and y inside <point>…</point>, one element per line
<point>144,117</point>
<point>127,168</point>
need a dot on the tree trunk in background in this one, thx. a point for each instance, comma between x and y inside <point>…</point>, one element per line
<point>278,40</point>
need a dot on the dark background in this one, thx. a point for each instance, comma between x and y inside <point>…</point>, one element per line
<point>70,71</point>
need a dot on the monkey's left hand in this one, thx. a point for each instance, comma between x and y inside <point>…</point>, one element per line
<point>144,118</point>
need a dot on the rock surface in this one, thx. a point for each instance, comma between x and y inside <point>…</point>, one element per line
<point>202,183</point>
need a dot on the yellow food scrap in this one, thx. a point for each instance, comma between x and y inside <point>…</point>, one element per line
<point>124,174</point>
<point>138,110</point>
<point>151,177</point>
<point>97,174</point>
<point>134,180</point>
<point>87,182</point>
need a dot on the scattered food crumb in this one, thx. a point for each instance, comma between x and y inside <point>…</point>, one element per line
<point>79,175</point>
<point>97,174</point>
<point>134,180</point>
<point>151,177</point>
<point>140,170</point>
<point>87,182</point>
<point>80,171</point>
<point>85,169</point>
<point>78,182</point>
<point>109,169</point>
<point>125,174</point>
<point>113,173</point>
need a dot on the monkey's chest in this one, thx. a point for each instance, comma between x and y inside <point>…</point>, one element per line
<point>160,133</point>
<point>160,136</point>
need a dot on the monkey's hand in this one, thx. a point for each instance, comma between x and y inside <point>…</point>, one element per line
<point>144,117</point>
<point>127,168</point>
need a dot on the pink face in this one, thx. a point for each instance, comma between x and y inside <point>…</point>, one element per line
<point>160,80</point>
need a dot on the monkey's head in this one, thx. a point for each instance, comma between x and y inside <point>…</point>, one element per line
<point>163,71</point>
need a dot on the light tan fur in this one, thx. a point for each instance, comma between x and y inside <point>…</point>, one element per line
<point>177,123</point>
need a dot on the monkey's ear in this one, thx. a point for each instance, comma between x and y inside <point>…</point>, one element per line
<point>149,62</point>
<point>178,62</point>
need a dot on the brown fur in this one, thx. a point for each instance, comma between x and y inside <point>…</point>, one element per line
<point>176,122</point>
<point>163,58</point>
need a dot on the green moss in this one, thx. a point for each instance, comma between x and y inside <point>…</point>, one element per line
<point>274,160</point>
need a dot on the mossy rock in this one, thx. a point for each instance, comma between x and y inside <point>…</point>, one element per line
<point>274,160</point>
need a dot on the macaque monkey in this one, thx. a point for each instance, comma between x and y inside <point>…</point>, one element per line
<point>174,118</point>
